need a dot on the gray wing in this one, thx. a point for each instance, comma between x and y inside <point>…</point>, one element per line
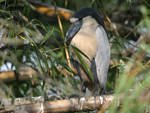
<point>102,58</point>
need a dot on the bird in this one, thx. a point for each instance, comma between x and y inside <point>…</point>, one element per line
<point>88,33</point>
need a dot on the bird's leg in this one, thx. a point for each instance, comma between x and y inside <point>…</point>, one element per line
<point>94,72</point>
<point>76,65</point>
<point>74,81</point>
<point>99,93</point>
<point>82,86</point>
<point>95,90</point>
<point>72,98</point>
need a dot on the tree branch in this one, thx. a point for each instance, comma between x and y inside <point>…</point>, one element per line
<point>64,103</point>
<point>49,10</point>
<point>45,104</point>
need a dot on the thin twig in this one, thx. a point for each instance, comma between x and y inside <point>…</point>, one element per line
<point>76,4</point>
<point>66,3</point>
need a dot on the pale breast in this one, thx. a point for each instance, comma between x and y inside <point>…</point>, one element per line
<point>86,41</point>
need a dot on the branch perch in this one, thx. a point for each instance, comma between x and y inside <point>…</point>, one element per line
<point>49,103</point>
<point>66,105</point>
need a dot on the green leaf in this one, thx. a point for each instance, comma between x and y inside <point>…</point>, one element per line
<point>39,55</point>
<point>54,66</point>
<point>83,62</point>
<point>119,64</point>
<point>81,52</point>
<point>14,59</point>
<point>146,3</point>
<point>2,0</point>
<point>120,42</point>
<point>59,60</point>
<point>3,11</point>
<point>47,35</point>
<point>128,3</point>
<point>59,33</point>
<point>109,85</point>
<point>56,41</point>
<point>39,23</point>
<point>135,32</point>
<point>28,48</point>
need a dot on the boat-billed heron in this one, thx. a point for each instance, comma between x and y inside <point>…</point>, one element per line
<point>88,33</point>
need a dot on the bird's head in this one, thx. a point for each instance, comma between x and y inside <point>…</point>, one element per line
<point>83,17</point>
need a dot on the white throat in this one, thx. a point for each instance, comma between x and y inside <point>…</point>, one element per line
<point>88,21</point>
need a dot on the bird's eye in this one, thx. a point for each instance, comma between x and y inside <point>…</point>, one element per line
<point>80,19</point>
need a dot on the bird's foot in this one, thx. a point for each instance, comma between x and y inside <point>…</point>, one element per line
<point>72,99</point>
<point>101,99</point>
<point>95,94</point>
<point>81,102</point>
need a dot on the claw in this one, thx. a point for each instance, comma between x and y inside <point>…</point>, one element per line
<point>104,98</point>
<point>103,95</point>
<point>81,102</point>
<point>72,100</point>
<point>95,99</point>
<point>101,99</point>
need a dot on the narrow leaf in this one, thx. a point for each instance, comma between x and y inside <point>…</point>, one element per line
<point>83,62</point>
<point>49,33</point>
